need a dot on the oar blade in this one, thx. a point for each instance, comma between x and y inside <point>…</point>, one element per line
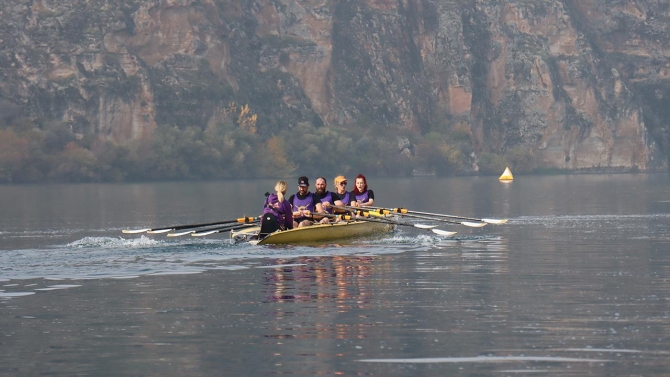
<point>180,233</point>
<point>159,231</point>
<point>207,233</point>
<point>473,225</point>
<point>135,231</point>
<point>424,226</point>
<point>495,221</point>
<point>443,232</point>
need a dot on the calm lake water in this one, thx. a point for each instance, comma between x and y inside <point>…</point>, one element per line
<point>576,283</point>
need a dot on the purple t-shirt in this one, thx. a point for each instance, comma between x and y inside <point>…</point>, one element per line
<point>283,210</point>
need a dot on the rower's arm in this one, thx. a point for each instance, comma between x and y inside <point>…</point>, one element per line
<point>369,203</point>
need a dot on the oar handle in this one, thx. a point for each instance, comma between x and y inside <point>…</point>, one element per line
<point>341,217</point>
<point>347,217</point>
<point>365,212</point>
<point>367,215</point>
<point>388,211</point>
<point>351,209</point>
<point>385,211</point>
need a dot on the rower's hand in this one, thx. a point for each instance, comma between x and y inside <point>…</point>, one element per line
<point>326,204</point>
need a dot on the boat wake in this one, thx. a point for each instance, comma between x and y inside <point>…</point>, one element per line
<point>116,257</point>
<point>93,257</point>
<point>93,242</point>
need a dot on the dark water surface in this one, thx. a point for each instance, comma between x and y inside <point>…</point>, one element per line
<point>576,283</point>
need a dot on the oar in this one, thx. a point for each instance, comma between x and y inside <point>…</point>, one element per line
<point>178,227</point>
<point>207,232</point>
<point>466,223</point>
<point>364,213</point>
<point>384,220</point>
<point>406,211</point>
<point>380,217</point>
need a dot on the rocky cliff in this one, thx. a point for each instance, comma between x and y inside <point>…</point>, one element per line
<point>577,84</point>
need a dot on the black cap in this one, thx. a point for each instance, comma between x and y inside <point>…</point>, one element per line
<point>303,181</point>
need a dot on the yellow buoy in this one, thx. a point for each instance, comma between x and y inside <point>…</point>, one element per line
<point>506,175</point>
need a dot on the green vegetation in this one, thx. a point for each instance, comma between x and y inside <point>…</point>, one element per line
<point>234,148</point>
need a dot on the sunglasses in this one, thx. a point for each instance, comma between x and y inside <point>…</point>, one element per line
<point>343,183</point>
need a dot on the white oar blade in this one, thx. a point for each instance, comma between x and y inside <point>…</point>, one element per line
<point>134,231</point>
<point>159,231</point>
<point>180,233</point>
<point>473,225</point>
<point>443,232</point>
<point>494,221</point>
<point>205,233</point>
<point>424,226</point>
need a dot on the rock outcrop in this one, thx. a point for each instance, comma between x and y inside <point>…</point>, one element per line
<point>580,84</point>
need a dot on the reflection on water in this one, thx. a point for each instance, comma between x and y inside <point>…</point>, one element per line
<point>313,279</point>
<point>577,283</point>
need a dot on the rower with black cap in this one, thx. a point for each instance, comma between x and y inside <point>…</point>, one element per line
<point>305,204</point>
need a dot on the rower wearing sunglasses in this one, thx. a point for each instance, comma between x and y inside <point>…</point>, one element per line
<point>344,197</point>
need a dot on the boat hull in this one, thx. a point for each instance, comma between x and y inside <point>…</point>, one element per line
<point>317,233</point>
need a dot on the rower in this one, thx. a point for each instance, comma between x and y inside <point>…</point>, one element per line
<point>277,212</point>
<point>304,203</point>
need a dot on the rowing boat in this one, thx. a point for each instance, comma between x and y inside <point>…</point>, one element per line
<point>314,233</point>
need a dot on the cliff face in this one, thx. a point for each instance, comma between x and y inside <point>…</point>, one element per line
<point>569,79</point>
<point>579,83</point>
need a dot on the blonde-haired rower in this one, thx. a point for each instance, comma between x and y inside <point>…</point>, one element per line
<point>277,213</point>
